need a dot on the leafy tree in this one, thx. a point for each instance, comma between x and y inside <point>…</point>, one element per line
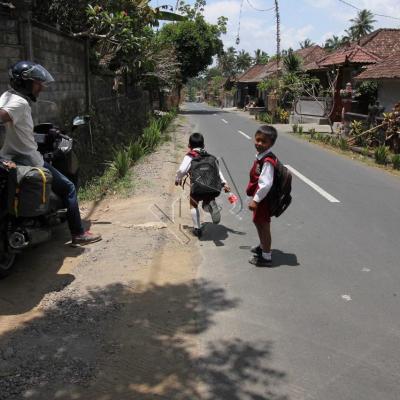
<point>362,24</point>
<point>260,57</point>
<point>306,43</point>
<point>195,41</point>
<point>243,60</point>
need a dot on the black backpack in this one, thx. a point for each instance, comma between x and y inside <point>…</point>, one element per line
<point>279,197</point>
<point>204,175</point>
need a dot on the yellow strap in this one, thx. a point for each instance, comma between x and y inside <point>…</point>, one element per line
<point>44,184</point>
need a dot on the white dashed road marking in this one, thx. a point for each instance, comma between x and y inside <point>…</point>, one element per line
<point>224,120</point>
<point>246,136</point>
<point>317,188</point>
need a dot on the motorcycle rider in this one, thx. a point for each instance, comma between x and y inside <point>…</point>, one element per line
<point>27,80</point>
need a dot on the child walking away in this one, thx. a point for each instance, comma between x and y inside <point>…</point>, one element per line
<point>206,181</point>
<point>269,187</point>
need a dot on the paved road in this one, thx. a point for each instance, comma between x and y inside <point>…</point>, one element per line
<point>324,323</point>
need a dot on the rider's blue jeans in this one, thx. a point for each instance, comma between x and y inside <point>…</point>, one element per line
<point>64,188</point>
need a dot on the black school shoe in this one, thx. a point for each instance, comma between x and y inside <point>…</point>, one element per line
<point>197,232</point>
<point>256,250</point>
<point>260,261</point>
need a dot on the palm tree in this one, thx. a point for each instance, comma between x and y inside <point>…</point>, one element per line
<point>333,43</point>
<point>227,62</point>
<point>362,24</point>
<point>243,60</point>
<point>292,62</point>
<point>260,57</point>
<point>306,43</point>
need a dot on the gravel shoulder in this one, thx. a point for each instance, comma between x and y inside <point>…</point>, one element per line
<point>115,320</point>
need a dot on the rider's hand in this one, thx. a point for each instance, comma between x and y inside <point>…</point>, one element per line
<point>227,189</point>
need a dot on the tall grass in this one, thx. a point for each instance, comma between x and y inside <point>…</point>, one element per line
<point>381,155</point>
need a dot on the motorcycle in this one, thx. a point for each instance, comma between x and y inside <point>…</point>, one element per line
<point>19,232</point>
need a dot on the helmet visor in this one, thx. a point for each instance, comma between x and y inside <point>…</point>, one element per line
<point>38,73</point>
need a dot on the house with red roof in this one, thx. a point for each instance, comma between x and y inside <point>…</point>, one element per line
<point>387,74</point>
<point>351,61</point>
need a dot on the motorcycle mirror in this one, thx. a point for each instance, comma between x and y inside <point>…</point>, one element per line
<point>79,120</point>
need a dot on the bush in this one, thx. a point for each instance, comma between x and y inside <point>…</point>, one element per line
<point>267,118</point>
<point>318,136</point>
<point>282,115</point>
<point>295,128</point>
<point>300,129</point>
<point>312,132</point>
<point>151,136</point>
<point>327,139</point>
<point>396,161</point>
<point>121,163</point>
<point>381,155</point>
<point>135,151</point>
<point>343,145</point>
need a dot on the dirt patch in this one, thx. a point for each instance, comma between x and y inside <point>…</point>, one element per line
<point>113,320</point>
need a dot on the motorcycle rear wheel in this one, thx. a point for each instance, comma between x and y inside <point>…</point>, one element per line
<point>7,259</point>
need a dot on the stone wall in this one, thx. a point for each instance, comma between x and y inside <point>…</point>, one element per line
<point>116,119</point>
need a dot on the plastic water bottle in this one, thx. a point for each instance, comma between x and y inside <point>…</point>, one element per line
<point>232,198</point>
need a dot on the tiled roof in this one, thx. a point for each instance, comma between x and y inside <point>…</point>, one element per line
<point>256,73</point>
<point>355,55</point>
<point>259,72</point>
<point>386,69</point>
<point>370,49</point>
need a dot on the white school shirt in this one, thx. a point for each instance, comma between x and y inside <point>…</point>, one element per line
<point>266,178</point>
<point>19,144</point>
<point>184,168</point>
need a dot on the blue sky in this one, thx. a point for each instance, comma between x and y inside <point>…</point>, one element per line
<point>300,19</point>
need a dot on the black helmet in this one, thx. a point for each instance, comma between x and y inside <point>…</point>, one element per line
<point>23,73</point>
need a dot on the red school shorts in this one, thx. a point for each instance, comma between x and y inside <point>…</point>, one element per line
<point>262,214</point>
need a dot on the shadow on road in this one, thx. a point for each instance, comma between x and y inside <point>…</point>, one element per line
<point>217,233</point>
<point>202,112</point>
<point>36,274</point>
<point>140,344</point>
<point>280,258</point>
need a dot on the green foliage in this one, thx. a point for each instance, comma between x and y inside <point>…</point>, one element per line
<point>300,129</point>
<point>362,24</point>
<point>381,155</point>
<point>266,118</point>
<point>306,43</point>
<point>295,128</point>
<point>312,132</point>
<point>117,175</point>
<point>121,163</point>
<point>396,161</point>
<point>195,40</point>
<point>327,139</point>
<point>260,57</point>
<point>343,145</point>
<point>243,60</point>
<point>292,63</point>
<point>135,151</point>
<point>151,136</point>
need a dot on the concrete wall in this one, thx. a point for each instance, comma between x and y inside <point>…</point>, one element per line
<point>389,93</point>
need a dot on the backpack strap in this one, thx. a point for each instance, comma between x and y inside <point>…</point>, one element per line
<point>270,158</point>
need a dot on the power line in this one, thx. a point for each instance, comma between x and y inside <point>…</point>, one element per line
<point>359,9</point>
<point>258,9</point>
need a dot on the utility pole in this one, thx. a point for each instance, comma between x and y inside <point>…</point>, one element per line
<point>278,35</point>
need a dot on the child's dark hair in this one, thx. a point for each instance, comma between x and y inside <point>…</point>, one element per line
<point>269,131</point>
<point>196,140</point>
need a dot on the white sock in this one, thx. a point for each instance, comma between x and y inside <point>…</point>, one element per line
<point>266,255</point>
<point>195,217</point>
